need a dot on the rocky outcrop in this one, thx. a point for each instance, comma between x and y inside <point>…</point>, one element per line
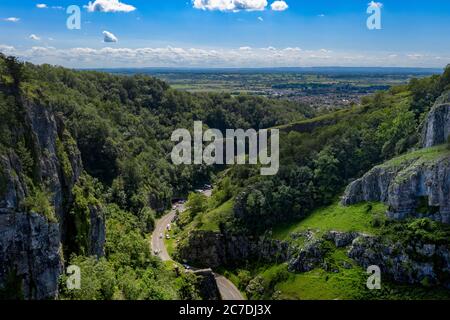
<point>437,125</point>
<point>211,249</point>
<point>418,263</point>
<point>30,243</point>
<point>341,239</point>
<point>416,187</point>
<point>30,249</point>
<point>97,231</point>
<point>207,284</point>
<point>309,258</point>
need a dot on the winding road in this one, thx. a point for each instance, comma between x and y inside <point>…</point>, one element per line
<point>227,289</point>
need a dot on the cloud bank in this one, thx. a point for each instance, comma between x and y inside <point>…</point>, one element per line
<point>84,57</point>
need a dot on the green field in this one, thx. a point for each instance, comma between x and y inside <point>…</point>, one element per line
<point>336,217</point>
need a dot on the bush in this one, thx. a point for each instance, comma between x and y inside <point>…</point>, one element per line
<point>38,202</point>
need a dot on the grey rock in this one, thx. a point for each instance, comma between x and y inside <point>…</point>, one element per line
<point>437,125</point>
<point>341,239</point>
<point>401,186</point>
<point>401,264</point>
<point>308,258</point>
<point>30,248</point>
<point>213,249</point>
<point>207,284</point>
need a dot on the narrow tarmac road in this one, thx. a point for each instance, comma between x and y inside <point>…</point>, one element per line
<point>227,289</point>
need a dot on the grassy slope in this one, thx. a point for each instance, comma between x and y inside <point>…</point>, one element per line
<point>210,220</point>
<point>421,156</point>
<point>348,283</point>
<point>336,217</point>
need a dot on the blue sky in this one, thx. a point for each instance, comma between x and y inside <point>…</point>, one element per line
<point>227,33</point>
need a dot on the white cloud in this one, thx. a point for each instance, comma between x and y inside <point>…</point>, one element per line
<point>34,37</point>
<point>321,15</point>
<point>279,6</point>
<point>12,19</point>
<point>41,6</point>
<point>230,5</point>
<point>109,37</point>
<point>260,19</point>
<point>109,6</point>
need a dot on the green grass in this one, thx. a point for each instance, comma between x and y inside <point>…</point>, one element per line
<point>209,221</point>
<point>170,244</point>
<point>318,284</point>
<point>336,217</point>
<point>423,155</point>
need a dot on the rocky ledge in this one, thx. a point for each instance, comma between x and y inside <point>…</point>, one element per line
<point>418,263</point>
<point>415,187</point>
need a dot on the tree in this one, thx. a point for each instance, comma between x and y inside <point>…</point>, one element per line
<point>15,70</point>
<point>196,203</point>
<point>326,175</point>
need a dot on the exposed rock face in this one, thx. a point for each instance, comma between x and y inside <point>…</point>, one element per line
<point>415,264</point>
<point>437,126</point>
<point>341,239</point>
<point>13,188</point>
<point>97,232</point>
<point>30,249</point>
<point>404,186</point>
<point>30,245</point>
<point>207,284</point>
<point>308,258</point>
<point>211,249</point>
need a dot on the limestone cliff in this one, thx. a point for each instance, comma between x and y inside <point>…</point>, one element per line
<point>212,249</point>
<point>437,125</point>
<point>31,242</point>
<point>415,186</point>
